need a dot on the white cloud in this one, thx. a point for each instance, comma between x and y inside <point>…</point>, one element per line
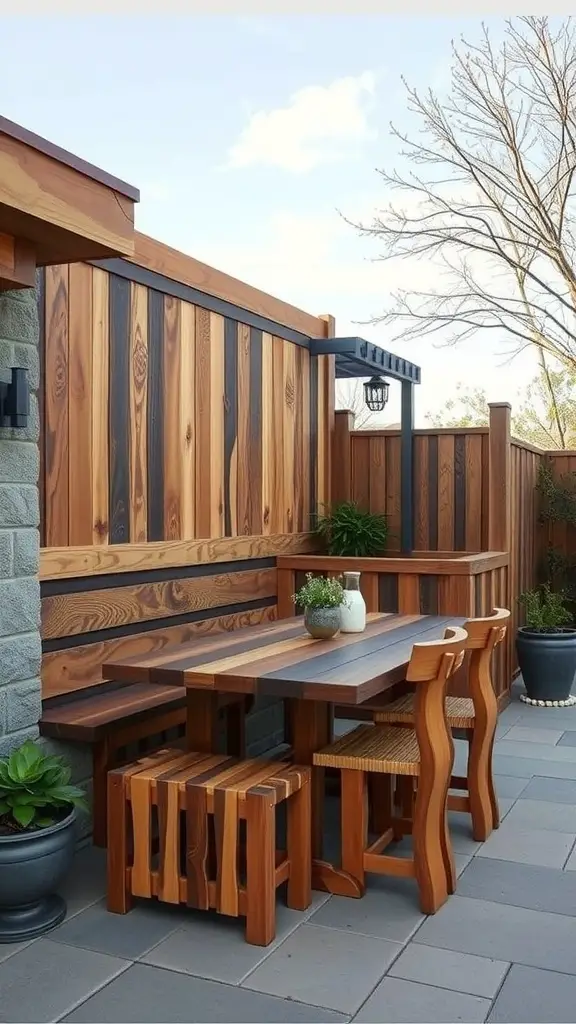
<point>319,124</point>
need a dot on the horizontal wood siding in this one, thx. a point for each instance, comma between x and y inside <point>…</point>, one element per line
<point>450,485</point>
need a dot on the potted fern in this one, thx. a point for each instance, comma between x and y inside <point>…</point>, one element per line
<point>349,532</point>
<point>546,647</point>
<point>37,839</point>
<point>321,598</point>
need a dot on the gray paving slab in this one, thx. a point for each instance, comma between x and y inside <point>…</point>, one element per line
<point>527,767</point>
<point>508,787</point>
<point>570,864</point>
<point>542,814</point>
<point>213,946</point>
<point>567,739</point>
<point>389,910</point>
<point>529,994</point>
<point>126,935</point>
<point>520,885</point>
<point>528,845</point>
<point>533,734</point>
<point>47,980</point>
<point>147,995</point>
<point>536,751</point>
<point>444,968</point>
<point>497,930</point>
<point>86,883</point>
<point>406,1002</point>
<point>558,791</point>
<point>325,967</point>
<point>547,718</point>
<point>8,949</point>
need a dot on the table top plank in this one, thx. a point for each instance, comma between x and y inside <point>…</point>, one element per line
<point>282,660</point>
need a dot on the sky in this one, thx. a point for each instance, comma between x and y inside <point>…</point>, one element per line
<point>251,138</point>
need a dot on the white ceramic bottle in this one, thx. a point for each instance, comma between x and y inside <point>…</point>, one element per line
<point>353,611</point>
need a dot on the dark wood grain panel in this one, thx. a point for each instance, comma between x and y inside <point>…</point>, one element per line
<point>41,303</point>
<point>313,460</point>
<point>255,430</point>
<point>155,426</point>
<point>119,455</point>
<point>187,417</point>
<point>100,406</point>
<point>80,667</point>
<point>70,614</point>
<point>277,440</point>
<point>138,414</point>
<point>300,452</point>
<point>80,405</point>
<point>172,445</point>
<point>56,406</point>
<point>244,488</point>
<point>233,484</point>
<point>460,492</point>
<point>432,494</point>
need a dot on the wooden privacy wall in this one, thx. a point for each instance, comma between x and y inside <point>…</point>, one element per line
<point>170,414</point>
<point>450,485</point>
<point>560,536</point>
<point>524,530</point>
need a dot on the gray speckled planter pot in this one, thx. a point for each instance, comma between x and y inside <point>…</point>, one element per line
<point>322,623</point>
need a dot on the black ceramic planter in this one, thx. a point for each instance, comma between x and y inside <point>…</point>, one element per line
<point>547,662</point>
<point>32,865</point>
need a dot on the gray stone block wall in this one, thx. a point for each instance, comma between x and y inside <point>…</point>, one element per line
<point>20,647</point>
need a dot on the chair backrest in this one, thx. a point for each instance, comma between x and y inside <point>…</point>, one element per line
<point>431,666</point>
<point>486,633</point>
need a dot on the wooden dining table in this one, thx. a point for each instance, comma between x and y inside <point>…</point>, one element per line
<point>281,660</point>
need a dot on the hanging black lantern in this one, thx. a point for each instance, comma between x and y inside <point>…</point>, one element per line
<point>376,393</point>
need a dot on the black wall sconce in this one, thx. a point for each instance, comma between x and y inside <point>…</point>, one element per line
<point>15,399</point>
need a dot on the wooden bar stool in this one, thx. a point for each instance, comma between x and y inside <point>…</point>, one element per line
<point>174,825</point>
<point>425,752</point>
<point>477,716</point>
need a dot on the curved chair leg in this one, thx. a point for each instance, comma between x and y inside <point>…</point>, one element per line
<point>354,817</point>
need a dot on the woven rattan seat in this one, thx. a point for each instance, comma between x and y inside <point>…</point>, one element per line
<point>371,748</point>
<point>459,712</point>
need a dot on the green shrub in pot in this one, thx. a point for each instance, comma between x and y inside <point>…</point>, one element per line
<point>321,598</point>
<point>347,531</point>
<point>546,647</point>
<point>37,839</point>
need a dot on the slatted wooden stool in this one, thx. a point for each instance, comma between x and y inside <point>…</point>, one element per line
<point>425,752</point>
<point>477,716</point>
<point>199,802</point>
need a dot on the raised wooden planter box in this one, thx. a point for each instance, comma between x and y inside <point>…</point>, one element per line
<point>426,583</point>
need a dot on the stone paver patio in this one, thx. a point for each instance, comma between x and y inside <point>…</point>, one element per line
<point>502,949</point>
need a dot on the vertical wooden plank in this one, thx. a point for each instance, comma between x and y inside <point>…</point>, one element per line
<point>323,436</point>
<point>288,401</point>
<point>235,486</point>
<point>100,406</point>
<point>313,363</point>
<point>370,591</point>
<point>421,500</point>
<point>155,445</point>
<point>460,492</point>
<point>277,475</point>
<point>119,453</point>
<point>361,471</point>
<point>197,846</point>
<point>377,474</point>
<point>255,432</point>
<point>306,467</point>
<point>286,589</point>
<point>57,356</point>
<point>388,588</point>
<point>429,595</point>
<point>484,546</point>
<point>41,303</point>
<point>226,833</point>
<point>299,453</point>
<point>408,594</point>
<point>80,405</point>
<point>446,492</point>
<point>186,429</point>
<point>433,492</point>
<point>473,458</point>
<point>268,453</point>
<point>169,834</point>
<point>138,413</point>
<point>172,442</point>
<point>217,426</point>
<point>499,473</point>
<point>342,456</point>
<point>393,490</point>
<point>203,392</point>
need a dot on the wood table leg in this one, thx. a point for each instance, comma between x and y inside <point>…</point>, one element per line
<point>312,730</point>
<point>202,721</point>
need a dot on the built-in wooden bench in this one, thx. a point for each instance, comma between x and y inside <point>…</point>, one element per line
<point>114,717</point>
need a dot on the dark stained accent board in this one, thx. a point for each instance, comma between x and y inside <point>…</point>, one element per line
<point>119,390</point>
<point>56,406</point>
<point>231,385</point>
<point>313,497</point>
<point>460,492</point>
<point>255,432</point>
<point>155,482</point>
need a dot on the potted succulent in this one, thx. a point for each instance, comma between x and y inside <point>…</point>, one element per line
<point>37,839</point>
<point>546,647</point>
<point>321,598</point>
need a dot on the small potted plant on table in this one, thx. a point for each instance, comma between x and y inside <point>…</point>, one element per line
<point>37,839</point>
<point>321,598</point>
<point>546,647</point>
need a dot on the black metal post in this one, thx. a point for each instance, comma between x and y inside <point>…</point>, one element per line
<point>406,469</point>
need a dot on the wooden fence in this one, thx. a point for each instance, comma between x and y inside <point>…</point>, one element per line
<point>185,437</point>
